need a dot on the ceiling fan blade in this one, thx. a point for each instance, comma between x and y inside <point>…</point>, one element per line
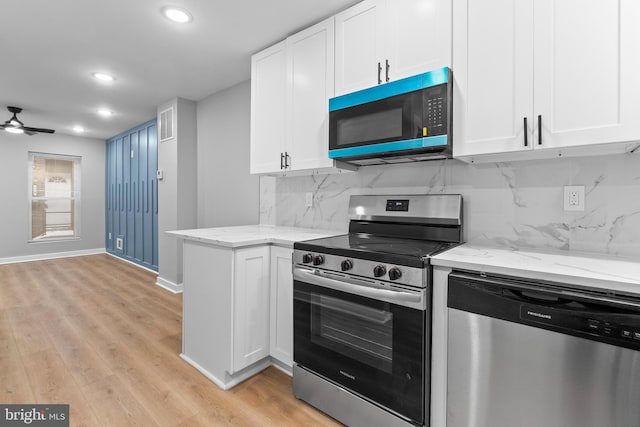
<point>29,129</point>
<point>28,132</point>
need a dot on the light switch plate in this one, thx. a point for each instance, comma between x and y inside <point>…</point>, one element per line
<point>308,199</point>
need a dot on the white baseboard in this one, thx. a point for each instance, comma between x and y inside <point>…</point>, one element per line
<point>169,285</point>
<point>237,378</point>
<point>42,257</point>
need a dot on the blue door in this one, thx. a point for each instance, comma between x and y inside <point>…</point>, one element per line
<point>132,195</point>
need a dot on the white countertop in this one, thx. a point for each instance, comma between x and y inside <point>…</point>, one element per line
<point>580,269</point>
<point>249,235</point>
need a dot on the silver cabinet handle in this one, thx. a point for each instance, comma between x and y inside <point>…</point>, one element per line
<point>379,72</point>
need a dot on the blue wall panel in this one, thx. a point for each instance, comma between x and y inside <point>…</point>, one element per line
<point>132,195</point>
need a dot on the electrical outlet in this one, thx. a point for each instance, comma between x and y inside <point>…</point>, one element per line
<point>308,199</point>
<point>574,198</point>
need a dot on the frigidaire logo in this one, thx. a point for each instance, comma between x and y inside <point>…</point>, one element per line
<point>543,316</point>
<point>49,415</point>
<point>351,377</point>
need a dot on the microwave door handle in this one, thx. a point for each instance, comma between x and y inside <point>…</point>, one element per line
<point>368,290</point>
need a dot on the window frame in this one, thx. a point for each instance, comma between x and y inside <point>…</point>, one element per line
<point>75,196</point>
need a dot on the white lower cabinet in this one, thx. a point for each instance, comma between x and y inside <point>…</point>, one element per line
<point>281,305</point>
<point>237,310</point>
<point>250,306</point>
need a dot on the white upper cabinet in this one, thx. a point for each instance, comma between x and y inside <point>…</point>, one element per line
<point>291,83</point>
<point>383,40</point>
<point>359,47</point>
<point>493,72</point>
<point>544,75</point>
<point>310,73</point>
<point>268,99</point>
<point>586,69</point>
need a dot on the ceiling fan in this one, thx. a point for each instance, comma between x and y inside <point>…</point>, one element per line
<point>14,125</point>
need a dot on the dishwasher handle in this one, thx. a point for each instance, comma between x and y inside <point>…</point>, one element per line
<point>542,293</point>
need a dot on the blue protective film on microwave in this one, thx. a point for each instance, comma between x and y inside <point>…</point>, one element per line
<point>390,89</point>
<point>385,147</point>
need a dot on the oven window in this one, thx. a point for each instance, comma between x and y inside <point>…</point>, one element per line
<point>353,330</point>
<point>379,125</point>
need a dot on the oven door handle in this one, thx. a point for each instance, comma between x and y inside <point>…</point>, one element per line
<point>400,297</point>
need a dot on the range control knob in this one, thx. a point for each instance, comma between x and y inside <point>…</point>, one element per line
<point>318,260</point>
<point>307,258</point>
<point>346,265</point>
<point>379,271</point>
<point>395,273</point>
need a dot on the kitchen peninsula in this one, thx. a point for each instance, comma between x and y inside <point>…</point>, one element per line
<point>238,297</point>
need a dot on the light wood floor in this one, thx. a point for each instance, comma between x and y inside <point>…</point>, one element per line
<point>98,334</point>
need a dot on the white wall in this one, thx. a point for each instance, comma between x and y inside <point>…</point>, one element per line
<point>14,193</point>
<point>518,204</point>
<point>177,189</point>
<point>227,194</point>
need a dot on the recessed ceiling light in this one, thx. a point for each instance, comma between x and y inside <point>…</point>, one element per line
<point>78,129</point>
<point>105,113</point>
<point>104,77</point>
<point>178,15</point>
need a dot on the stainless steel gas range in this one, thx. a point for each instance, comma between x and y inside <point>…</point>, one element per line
<point>362,301</point>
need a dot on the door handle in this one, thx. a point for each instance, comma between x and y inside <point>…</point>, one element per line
<point>286,160</point>
<point>388,66</point>
<point>281,161</point>
<point>526,130</point>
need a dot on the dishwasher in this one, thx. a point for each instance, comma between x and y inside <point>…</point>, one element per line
<point>525,353</point>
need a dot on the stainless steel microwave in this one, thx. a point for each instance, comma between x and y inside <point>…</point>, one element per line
<point>401,121</point>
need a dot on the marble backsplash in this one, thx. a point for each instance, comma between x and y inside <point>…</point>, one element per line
<point>518,204</point>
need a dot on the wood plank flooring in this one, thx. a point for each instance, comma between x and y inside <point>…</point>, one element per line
<point>97,333</point>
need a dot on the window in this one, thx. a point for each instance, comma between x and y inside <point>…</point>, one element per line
<point>54,192</point>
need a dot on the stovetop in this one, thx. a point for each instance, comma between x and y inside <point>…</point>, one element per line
<point>386,249</point>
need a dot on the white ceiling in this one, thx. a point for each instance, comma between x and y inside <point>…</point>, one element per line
<point>50,48</point>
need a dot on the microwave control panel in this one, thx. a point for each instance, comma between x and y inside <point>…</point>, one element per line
<point>436,111</point>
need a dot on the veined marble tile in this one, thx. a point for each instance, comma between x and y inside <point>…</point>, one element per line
<point>517,204</point>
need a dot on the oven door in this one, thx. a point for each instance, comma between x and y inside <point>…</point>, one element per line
<point>373,347</point>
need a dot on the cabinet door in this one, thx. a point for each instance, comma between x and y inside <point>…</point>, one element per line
<point>310,71</point>
<point>281,305</point>
<point>419,37</point>
<point>250,306</point>
<point>587,89</point>
<point>493,76</point>
<point>359,46</point>
<point>268,98</point>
